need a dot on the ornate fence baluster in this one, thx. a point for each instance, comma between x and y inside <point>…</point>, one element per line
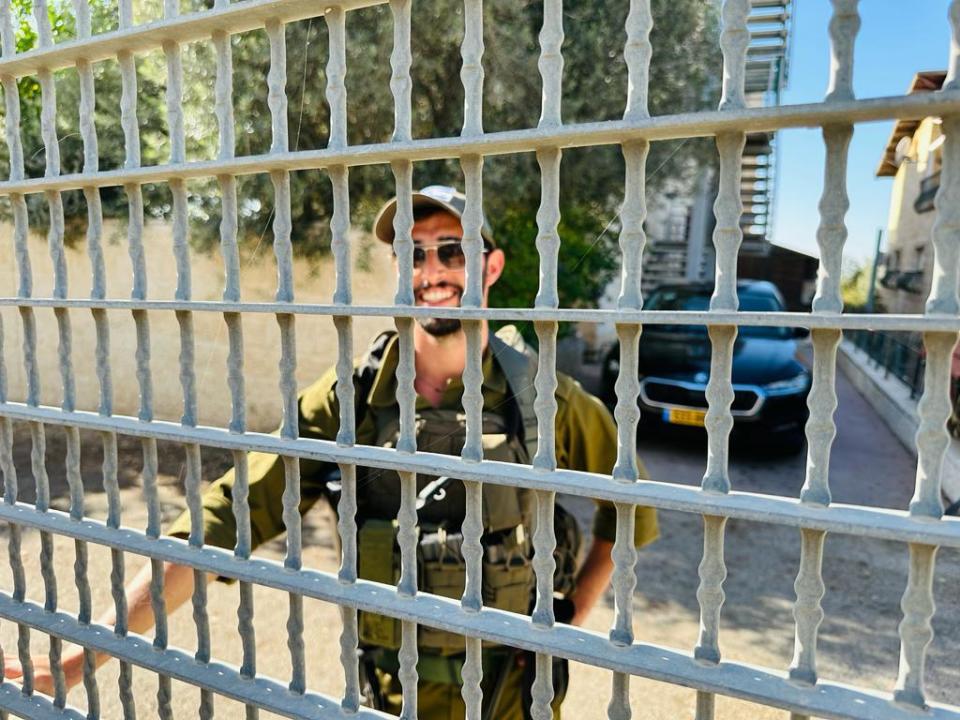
<point>282,226</point>
<point>55,241</point>
<point>98,292</point>
<point>472,528</point>
<point>637,53</point>
<point>343,295</point>
<point>727,237</point>
<point>223,109</point>
<point>822,400</point>
<point>471,74</point>
<point>550,65</point>
<point>131,134</point>
<point>401,86</point>
<point>24,290</point>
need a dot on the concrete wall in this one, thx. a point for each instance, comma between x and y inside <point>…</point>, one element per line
<point>316,337</point>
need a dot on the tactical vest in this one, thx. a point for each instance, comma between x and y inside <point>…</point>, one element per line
<point>508,435</point>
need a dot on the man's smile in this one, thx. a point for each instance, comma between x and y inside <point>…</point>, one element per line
<point>439,294</point>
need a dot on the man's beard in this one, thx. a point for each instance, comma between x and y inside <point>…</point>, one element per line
<point>440,327</point>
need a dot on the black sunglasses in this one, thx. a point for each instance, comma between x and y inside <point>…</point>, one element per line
<point>449,253</point>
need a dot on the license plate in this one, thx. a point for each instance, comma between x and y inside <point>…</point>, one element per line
<point>682,416</point>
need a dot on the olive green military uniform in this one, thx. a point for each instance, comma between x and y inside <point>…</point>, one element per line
<point>585,440</point>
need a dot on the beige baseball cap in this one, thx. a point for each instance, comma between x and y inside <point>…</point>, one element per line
<point>441,196</point>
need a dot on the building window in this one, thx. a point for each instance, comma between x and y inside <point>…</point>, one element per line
<point>930,182</point>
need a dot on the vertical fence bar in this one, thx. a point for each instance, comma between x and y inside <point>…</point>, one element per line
<point>282,226</point>
<point>131,134</point>
<point>180,246</point>
<point>188,384</point>
<point>550,64</point>
<point>473,244</point>
<point>916,631</point>
<point>201,619</point>
<point>933,409</point>
<point>727,237</point>
<point>808,612</point>
<point>401,60</point>
<point>51,145</point>
<point>223,109</point>
<point>917,603</point>
<point>637,53</point>
<point>336,93</point>
<point>822,400</point>
<point>472,76</point>
<point>24,289</point>
<point>7,468</point>
<point>88,132</point>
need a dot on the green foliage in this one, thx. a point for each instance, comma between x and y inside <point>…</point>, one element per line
<point>683,77</point>
<point>855,287</point>
<point>588,259</point>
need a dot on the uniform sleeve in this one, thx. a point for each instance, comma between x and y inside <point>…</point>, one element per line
<point>587,441</point>
<point>318,418</point>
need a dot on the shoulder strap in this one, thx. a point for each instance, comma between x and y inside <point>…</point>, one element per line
<point>519,363</point>
<point>366,372</point>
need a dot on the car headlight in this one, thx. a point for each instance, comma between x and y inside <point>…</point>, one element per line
<point>796,384</point>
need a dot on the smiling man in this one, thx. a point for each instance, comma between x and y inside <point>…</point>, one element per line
<point>585,440</point>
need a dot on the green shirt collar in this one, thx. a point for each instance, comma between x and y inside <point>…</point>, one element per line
<point>383,392</point>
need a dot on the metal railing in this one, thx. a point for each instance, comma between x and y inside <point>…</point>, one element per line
<point>898,354</point>
<point>796,689</point>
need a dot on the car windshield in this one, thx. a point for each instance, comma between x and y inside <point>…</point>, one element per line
<point>699,300</point>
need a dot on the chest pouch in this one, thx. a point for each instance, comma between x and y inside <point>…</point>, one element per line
<point>444,432</point>
<point>508,578</point>
<point>507,582</point>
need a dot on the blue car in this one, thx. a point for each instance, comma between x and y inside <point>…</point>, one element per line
<point>770,383</point>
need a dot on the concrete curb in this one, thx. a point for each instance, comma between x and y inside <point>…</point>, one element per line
<point>891,400</point>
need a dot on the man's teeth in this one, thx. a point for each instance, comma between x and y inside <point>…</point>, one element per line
<point>437,295</point>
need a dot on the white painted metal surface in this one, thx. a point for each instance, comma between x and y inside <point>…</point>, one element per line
<point>795,689</point>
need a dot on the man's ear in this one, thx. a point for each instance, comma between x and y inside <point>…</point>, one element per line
<point>494,269</point>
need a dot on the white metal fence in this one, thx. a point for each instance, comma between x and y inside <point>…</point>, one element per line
<point>797,690</point>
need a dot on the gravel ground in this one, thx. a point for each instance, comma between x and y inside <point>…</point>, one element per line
<point>864,578</point>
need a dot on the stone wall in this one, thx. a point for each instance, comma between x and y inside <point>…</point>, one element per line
<point>316,337</point>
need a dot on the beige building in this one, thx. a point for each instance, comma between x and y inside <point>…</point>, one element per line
<point>912,158</point>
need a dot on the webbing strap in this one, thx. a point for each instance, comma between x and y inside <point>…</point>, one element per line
<point>519,362</point>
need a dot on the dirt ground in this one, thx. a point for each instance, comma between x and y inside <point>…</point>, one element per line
<point>858,640</point>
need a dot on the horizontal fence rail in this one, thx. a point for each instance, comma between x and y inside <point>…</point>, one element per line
<point>667,127</point>
<point>797,689</point>
<point>853,519</point>
<point>919,323</point>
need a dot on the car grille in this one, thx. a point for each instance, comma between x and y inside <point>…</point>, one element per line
<point>663,393</point>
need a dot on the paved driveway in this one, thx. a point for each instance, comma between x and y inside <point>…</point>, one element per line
<point>864,578</point>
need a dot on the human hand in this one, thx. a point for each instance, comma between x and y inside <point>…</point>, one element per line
<point>37,679</point>
<point>41,678</point>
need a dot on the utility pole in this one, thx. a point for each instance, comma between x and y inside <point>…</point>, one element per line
<point>873,272</point>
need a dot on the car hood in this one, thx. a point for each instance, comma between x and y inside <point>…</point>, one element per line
<point>686,356</point>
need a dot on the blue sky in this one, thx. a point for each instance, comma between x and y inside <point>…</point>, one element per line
<point>896,39</point>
